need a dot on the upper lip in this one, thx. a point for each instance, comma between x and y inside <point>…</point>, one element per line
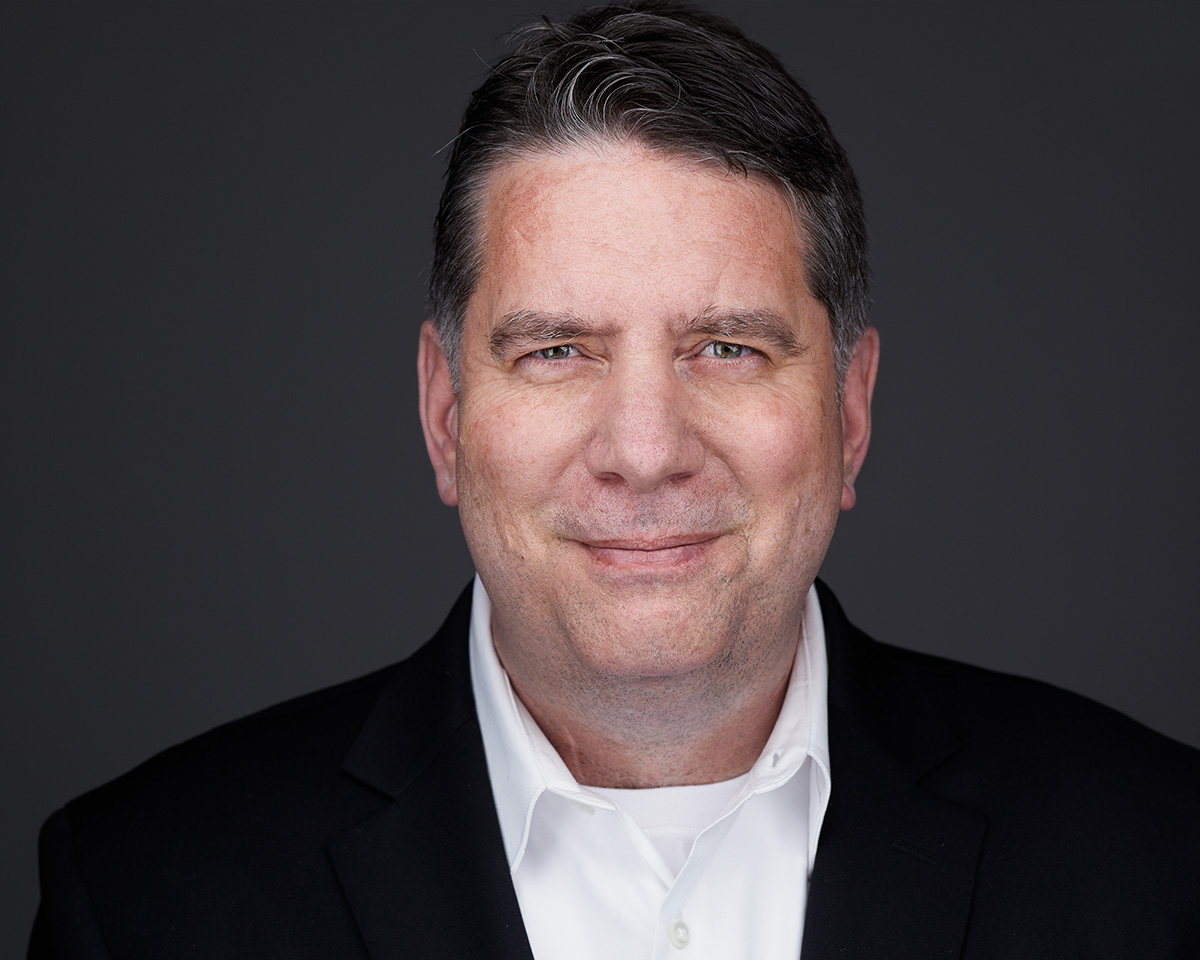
<point>648,543</point>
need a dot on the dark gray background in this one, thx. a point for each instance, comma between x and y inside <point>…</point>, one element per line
<point>216,224</point>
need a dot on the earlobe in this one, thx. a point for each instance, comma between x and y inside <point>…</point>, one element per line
<point>856,411</point>
<point>438,407</point>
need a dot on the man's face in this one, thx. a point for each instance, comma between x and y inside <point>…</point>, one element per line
<point>646,449</point>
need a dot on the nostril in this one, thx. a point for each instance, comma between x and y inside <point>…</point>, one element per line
<point>645,446</point>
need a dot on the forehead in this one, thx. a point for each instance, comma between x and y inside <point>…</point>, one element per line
<point>620,229</point>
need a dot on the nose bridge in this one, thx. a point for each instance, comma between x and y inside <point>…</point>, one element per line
<point>643,428</point>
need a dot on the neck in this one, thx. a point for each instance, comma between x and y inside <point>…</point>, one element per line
<point>703,727</point>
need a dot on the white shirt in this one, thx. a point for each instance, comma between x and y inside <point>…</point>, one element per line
<point>708,872</point>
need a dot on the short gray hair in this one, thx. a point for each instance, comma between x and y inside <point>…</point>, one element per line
<point>674,79</point>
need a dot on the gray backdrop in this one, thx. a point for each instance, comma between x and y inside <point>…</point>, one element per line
<point>215,225</point>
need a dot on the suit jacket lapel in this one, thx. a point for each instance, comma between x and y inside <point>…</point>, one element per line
<point>895,866</point>
<point>427,875</point>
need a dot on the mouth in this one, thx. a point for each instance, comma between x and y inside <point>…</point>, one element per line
<point>645,553</point>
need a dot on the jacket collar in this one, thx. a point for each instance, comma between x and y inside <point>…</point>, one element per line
<point>896,863</point>
<point>426,876</point>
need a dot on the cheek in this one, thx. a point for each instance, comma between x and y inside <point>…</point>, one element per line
<point>786,457</point>
<point>776,441</point>
<point>509,452</point>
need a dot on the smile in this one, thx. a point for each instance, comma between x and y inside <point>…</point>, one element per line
<point>673,552</point>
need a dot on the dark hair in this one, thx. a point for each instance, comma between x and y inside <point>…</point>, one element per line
<point>675,79</point>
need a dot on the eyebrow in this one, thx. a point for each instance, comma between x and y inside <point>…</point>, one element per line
<point>523,327</point>
<point>534,326</point>
<point>758,325</point>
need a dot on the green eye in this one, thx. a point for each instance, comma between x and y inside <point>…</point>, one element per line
<point>560,352</point>
<point>727,351</point>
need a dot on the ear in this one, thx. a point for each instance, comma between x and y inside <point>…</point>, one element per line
<point>439,412</point>
<point>856,411</point>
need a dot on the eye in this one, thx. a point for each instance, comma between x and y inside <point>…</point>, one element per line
<point>561,351</point>
<point>724,350</point>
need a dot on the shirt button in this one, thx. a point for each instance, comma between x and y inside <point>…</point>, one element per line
<point>679,934</point>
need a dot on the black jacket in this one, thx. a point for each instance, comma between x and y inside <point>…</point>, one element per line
<point>972,815</point>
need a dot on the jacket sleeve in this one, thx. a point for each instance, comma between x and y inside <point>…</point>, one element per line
<point>65,927</point>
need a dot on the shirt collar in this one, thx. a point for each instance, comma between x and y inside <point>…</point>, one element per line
<point>522,763</point>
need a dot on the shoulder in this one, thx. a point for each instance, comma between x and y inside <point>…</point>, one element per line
<point>899,696</point>
<point>290,757</point>
<point>1046,726</point>
<point>1091,816</point>
<point>272,760</point>
<point>1087,818</point>
<point>235,822</point>
<point>1044,766</point>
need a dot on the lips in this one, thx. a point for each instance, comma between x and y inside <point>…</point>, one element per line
<point>649,544</point>
<point>672,552</point>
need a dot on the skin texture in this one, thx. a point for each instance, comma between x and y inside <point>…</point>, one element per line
<point>647,454</point>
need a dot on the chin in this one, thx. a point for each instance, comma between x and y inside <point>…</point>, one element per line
<point>655,640</point>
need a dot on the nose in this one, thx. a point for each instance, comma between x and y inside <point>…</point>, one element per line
<point>643,431</point>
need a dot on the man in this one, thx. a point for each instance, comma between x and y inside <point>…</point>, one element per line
<point>646,729</point>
